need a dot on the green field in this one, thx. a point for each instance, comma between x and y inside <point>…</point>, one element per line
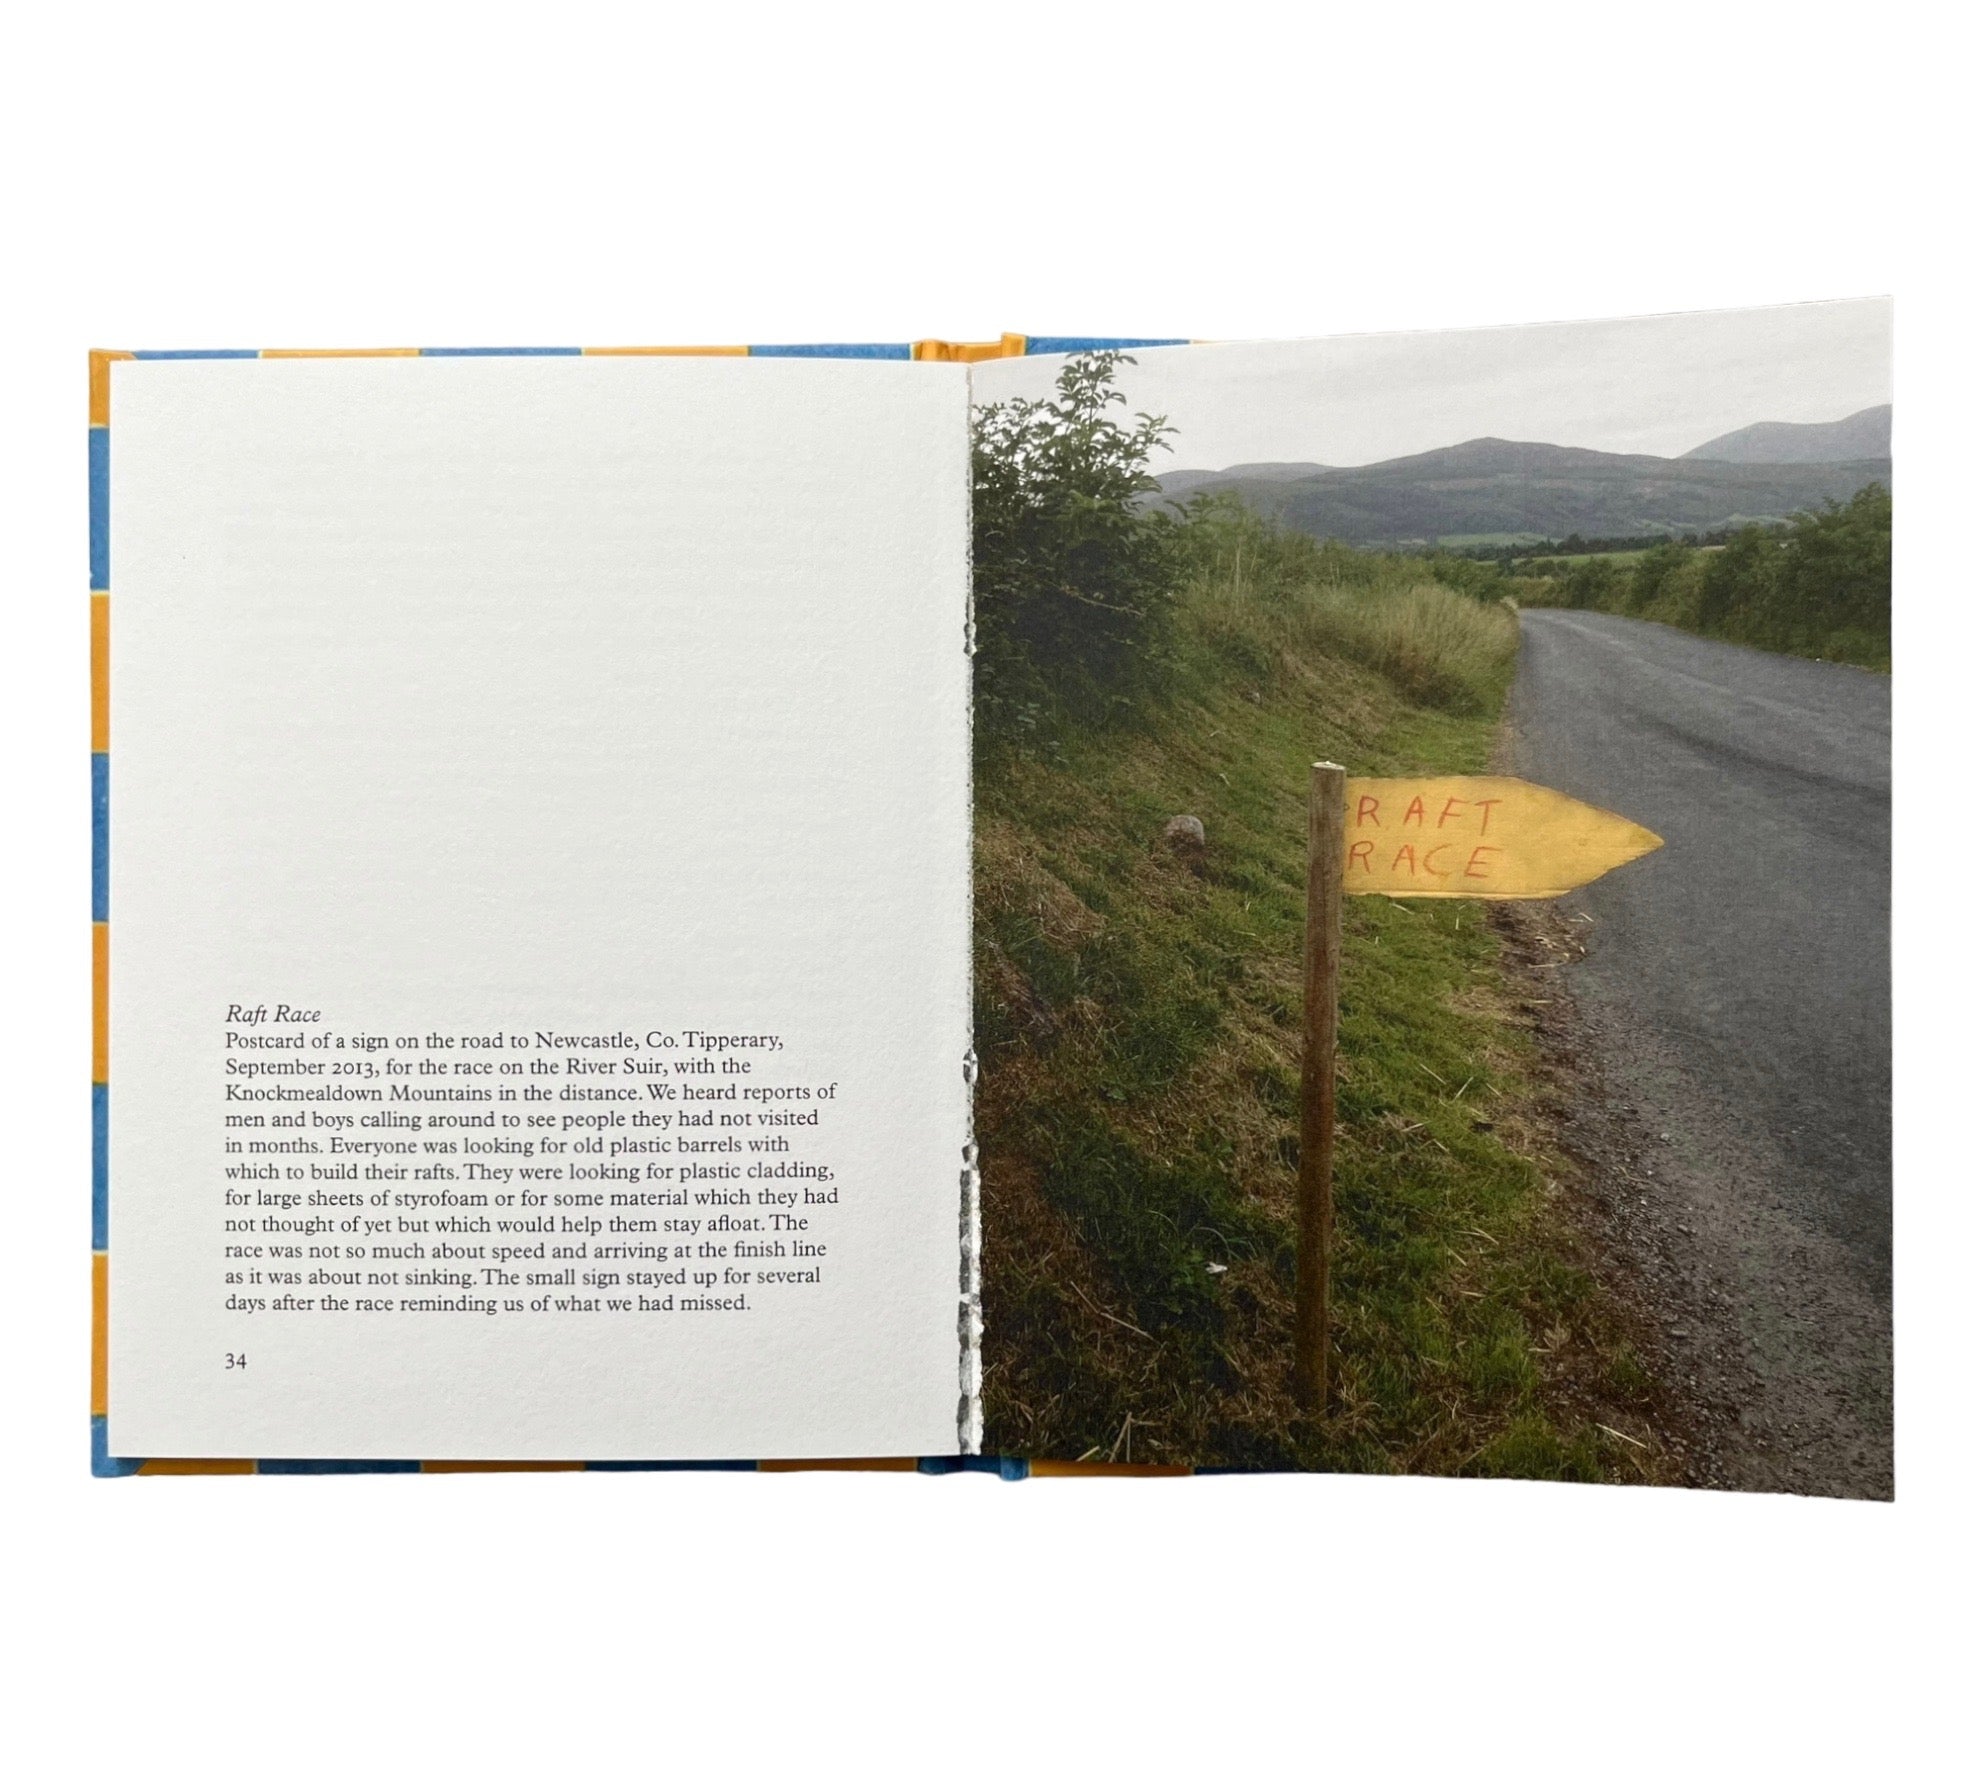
<point>1568,560</point>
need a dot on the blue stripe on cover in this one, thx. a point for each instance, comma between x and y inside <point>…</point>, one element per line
<point>1090,343</point>
<point>333,1466</point>
<point>99,508</point>
<point>198,353</point>
<point>99,1168</point>
<point>101,1462</point>
<point>99,837</point>
<point>846,350</point>
<point>1008,1469</point>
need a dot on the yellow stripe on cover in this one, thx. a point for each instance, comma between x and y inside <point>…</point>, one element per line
<point>99,672</point>
<point>1007,347</point>
<point>837,1463</point>
<point>1041,1466</point>
<point>100,359</point>
<point>100,1003</point>
<point>99,1333</point>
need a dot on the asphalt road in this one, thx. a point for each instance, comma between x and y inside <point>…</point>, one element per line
<point>1735,997</point>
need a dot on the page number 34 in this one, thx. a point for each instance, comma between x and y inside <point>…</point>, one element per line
<point>237,1361</point>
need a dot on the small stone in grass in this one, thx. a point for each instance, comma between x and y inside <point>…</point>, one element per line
<point>1185,837</point>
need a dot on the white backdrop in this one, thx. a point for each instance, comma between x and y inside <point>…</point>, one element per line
<point>212,175</point>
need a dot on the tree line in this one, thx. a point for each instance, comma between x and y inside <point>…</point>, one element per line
<point>1818,587</point>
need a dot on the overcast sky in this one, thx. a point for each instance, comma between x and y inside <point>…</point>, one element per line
<point>1655,384</point>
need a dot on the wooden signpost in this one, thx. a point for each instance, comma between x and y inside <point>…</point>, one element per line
<point>1420,837</point>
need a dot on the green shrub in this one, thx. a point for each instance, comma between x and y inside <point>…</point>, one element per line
<point>1073,567</point>
<point>1834,574</point>
<point>1737,576</point>
<point>1485,580</point>
<point>1654,571</point>
<point>1592,583</point>
<point>1819,588</point>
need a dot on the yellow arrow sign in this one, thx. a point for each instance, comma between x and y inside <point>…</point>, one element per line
<point>1478,837</point>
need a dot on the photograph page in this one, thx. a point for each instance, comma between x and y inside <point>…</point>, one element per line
<point>1432,806</point>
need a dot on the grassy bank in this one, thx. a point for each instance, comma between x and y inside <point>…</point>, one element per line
<point>1139,1034</point>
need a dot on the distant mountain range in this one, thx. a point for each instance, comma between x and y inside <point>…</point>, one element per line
<point>1863,435</point>
<point>1489,488</point>
<point>1177,483</point>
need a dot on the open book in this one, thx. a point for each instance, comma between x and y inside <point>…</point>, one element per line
<point>549,1010</point>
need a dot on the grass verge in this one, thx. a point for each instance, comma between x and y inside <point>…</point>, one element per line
<point>1139,1033</point>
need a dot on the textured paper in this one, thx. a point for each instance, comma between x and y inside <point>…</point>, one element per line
<point>542,692</point>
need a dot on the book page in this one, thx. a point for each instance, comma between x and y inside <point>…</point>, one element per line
<point>538,908</point>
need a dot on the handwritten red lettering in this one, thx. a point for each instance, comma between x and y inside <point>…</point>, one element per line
<point>1361,855</point>
<point>1485,805</point>
<point>1367,808</point>
<point>1416,813</point>
<point>1475,861</point>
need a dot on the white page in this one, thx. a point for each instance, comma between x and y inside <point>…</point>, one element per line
<point>586,697</point>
